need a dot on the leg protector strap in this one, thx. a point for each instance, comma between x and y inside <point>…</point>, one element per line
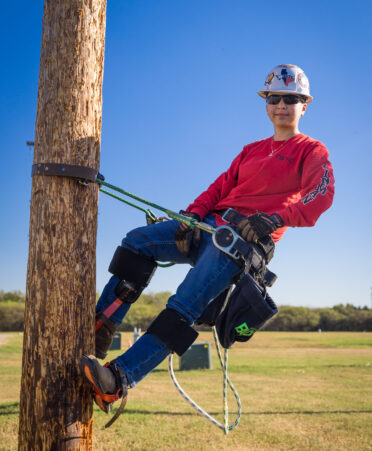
<point>111,325</point>
<point>131,267</point>
<point>173,330</point>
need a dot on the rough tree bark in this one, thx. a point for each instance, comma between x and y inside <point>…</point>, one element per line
<point>56,406</point>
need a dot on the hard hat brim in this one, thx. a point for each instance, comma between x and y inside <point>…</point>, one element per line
<point>264,94</point>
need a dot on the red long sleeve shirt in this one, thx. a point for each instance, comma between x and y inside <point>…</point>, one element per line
<point>296,182</point>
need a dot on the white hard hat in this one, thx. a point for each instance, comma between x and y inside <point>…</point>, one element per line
<point>287,79</point>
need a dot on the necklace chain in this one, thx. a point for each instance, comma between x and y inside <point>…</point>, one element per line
<point>275,150</point>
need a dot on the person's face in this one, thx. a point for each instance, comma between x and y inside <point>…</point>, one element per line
<point>285,116</point>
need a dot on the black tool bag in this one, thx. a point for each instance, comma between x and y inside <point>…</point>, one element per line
<point>213,309</point>
<point>248,308</point>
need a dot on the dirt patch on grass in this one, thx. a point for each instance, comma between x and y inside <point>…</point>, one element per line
<point>3,338</point>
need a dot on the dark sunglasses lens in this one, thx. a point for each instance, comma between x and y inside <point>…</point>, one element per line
<point>288,99</point>
<point>273,100</point>
<point>291,100</point>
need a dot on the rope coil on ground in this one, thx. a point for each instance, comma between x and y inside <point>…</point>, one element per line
<point>226,381</point>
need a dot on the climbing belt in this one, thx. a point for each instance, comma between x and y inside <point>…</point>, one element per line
<point>226,381</point>
<point>151,217</point>
<point>172,214</point>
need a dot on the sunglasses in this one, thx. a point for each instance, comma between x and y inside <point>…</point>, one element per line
<point>287,99</point>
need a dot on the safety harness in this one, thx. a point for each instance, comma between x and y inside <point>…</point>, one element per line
<point>235,314</point>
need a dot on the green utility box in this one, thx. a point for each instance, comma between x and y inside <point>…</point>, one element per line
<point>116,342</point>
<point>198,356</point>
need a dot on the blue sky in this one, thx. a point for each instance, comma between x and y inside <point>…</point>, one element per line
<point>180,102</point>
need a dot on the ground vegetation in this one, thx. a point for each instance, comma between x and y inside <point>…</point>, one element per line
<point>338,318</point>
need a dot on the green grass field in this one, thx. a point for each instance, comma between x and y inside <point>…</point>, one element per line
<point>300,391</point>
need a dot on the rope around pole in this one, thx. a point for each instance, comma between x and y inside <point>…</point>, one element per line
<point>147,211</point>
<point>226,381</point>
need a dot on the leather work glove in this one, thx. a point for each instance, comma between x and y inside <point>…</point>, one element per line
<point>256,226</point>
<point>187,237</point>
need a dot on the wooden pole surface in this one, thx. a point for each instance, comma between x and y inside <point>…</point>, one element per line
<point>56,405</point>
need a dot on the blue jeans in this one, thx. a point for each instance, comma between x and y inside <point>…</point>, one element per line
<point>211,273</point>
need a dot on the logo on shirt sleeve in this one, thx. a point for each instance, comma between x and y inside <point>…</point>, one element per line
<point>320,189</point>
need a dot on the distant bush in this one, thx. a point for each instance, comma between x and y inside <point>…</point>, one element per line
<point>15,296</point>
<point>11,316</point>
<point>338,318</point>
<point>145,310</point>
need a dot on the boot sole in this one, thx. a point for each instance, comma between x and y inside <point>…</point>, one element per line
<point>90,371</point>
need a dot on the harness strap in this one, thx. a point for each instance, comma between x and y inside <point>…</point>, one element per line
<point>220,212</point>
<point>122,392</point>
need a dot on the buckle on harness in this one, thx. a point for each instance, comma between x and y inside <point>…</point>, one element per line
<point>225,239</point>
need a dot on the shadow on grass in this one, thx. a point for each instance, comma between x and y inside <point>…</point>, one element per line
<point>13,409</point>
<point>299,412</point>
<point>310,412</point>
<point>9,408</point>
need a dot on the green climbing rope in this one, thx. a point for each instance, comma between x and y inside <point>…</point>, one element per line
<point>151,218</point>
<point>102,190</point>
<point>172,214</point>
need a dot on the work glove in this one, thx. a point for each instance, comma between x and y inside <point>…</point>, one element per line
<point>187,237</point>
<point>256,226</point>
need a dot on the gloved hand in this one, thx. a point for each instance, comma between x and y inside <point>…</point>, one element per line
<point>187,237</point>
<point>256,226</point>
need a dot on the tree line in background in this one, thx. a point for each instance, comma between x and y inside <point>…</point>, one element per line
<point>338,318</point>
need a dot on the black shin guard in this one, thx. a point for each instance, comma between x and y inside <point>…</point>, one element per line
<point>135,272</point>
<point>104,335</point>
<point>173,330</point>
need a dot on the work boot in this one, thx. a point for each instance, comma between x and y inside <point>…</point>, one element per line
<point>104,335</point>
<point>109,384</point>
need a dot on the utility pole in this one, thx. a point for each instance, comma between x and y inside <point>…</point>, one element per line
<point>56,405</point>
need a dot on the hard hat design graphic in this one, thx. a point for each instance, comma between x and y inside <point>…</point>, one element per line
<point>287,79</point>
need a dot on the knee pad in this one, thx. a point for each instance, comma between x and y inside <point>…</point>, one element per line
<point>173,330</point>
<point>134,271</point>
